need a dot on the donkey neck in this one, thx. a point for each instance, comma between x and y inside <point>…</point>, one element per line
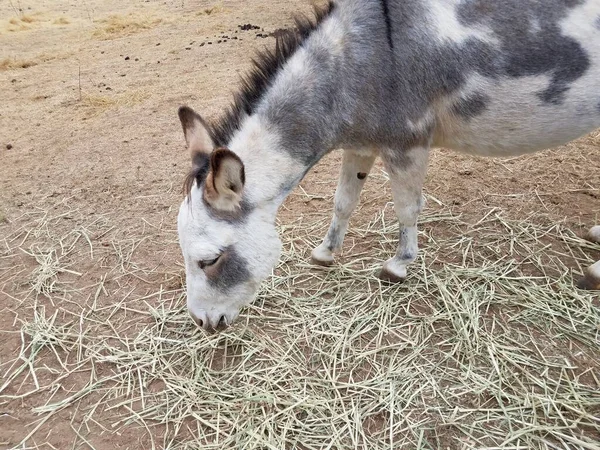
<point>295,124</point>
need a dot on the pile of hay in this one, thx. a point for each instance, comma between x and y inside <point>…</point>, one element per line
<point>487,344</point>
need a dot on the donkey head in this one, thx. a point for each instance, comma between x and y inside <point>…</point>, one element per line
<point>229,246</point>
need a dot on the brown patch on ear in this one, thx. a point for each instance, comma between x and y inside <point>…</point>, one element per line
<point>228,169</point>
<point>196,131</point>
<point>210,193</point>
<point>225,181</point>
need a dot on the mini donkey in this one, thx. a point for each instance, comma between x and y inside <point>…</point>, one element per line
<point>379,78</point>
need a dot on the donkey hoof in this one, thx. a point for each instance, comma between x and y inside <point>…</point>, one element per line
<point>591,278</point>
<point>322,256</point>
<point>589,284</point>
<point>594,234</point>
<point>393,272</point>
<point>390,277</point>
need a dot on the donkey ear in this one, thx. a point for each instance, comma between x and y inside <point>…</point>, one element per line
<point>197,134</point>
<point>224,187</point>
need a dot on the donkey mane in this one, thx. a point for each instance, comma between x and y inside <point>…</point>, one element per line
<point>266,66</point>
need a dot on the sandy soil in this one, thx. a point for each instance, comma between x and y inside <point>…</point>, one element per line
<point>89,132</point>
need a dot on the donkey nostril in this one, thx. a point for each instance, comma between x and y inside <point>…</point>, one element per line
<point>198,321</point>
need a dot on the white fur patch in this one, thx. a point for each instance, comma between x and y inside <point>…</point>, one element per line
<point>255,144</point>
<point>535,26</point>
<point>423,124</point>
<point>333,35</point>
<point>443,16</point>
<point>580,25</point>
<point>515,120</point>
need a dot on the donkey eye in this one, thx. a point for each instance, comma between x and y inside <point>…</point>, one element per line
<point>208,263</point>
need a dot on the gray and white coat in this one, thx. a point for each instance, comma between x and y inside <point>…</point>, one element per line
<point>379,78</point>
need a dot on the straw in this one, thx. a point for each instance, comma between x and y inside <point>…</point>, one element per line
<point>487,344</point>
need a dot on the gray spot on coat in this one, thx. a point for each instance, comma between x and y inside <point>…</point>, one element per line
<point>231,270</point>
<point>470,107</point>
<point>240,215</point>
<point>527,50</point>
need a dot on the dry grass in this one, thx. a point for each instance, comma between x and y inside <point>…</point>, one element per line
<point>15,25</point>
<point>24,63</point>
<point>117,26</point>
<point>487,345</point>
<point>29,19</point>
<point>13,63</point>
<point>30,22</point>
<point>98,103</point>
<point>62,21</point>
<point>212,10</point>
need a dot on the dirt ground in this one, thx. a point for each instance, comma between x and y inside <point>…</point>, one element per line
<point>92,160</point>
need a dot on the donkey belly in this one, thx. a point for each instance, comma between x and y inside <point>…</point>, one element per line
<point>507,117</point>
<point>542,88</point>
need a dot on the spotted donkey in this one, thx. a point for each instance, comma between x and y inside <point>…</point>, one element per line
<point>379,78</point>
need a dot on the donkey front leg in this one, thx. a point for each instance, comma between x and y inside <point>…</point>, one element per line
<point>356,165</point>
<point>407,172</point>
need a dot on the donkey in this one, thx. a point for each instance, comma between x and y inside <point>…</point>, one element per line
<point>379,78</point>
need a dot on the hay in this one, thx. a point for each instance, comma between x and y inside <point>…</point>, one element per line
<point>62,21</point>
<point>117,26</point>
<point>31,22</point>
<point>487,344</point>
<point>29,19</point>
<point>98,103</point>
<point>11,63</point>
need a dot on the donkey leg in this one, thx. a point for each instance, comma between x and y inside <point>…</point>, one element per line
<point>407,175</point>
<point>591,278</point>
<point>356,165</point>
